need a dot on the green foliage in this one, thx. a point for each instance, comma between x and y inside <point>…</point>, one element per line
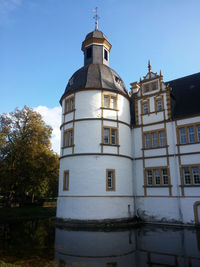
<point>28,166</point>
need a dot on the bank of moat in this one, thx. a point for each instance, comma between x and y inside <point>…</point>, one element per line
<point>128,154</point>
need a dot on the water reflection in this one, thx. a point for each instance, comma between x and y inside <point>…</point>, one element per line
<point>144,246</point>
<point>35,243</point>
<point>27,243</point>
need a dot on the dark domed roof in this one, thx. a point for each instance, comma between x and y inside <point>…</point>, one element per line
<point>96,34</point>
<point>95,76</point>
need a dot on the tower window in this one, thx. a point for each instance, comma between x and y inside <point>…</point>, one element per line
<point>109,101</point>
<point>89,52</point>
<point>68,138</point>
<point>105,54</point>
<point>66,181</point>
<point>69,105</point>
<point>110,180</point>
<point>110,136</point>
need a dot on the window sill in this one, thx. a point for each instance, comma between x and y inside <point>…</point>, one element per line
<point>190,185</point>
<point>110,190</point>
<point>110,108</point>
<point>194,143</point>
<point>109,145</point>
<point>68,146</point>
<point>156,186</point>
<point>158,147</point>
<point>65,113</point>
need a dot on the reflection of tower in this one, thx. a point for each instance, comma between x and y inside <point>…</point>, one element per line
<point>96,166</point>
<point>94,249</point>
<point>145,246</point>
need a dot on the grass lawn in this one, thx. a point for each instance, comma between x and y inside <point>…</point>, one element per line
<point>26,213</point>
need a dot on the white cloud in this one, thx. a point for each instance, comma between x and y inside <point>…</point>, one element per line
<point>52,117</point>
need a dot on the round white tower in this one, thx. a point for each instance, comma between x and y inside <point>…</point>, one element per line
<point>95,180</point>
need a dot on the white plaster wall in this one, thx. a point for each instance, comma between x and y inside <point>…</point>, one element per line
<point>171,137</point>
<point>155,162</point>
<point>166,209</point>
<point>155,152</point>
<point>87,136</point>
<point>175,176</point>
<point>87,104</point>
<point>125,140</point>
<point>188,121</point>
<point>190,159</point>
<point>153,127</point>
<point>138,179</point>
<point>68,117</point>
<point>151,118</point>
<point>187,205</point>
<point>190,148</point>
<point>110,114</point>
<point>94,208</point>
<point>192,191</point>
<point>88,175</point>
<point>87,178</point>
<point>160,191</point>
<point>67,126</point>
<point>158,209</point>
<point>136,142</point>
<point>124,109</point>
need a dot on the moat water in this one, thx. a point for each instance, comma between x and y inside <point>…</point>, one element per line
<point>40,243</point>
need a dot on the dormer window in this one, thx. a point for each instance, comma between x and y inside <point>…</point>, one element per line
<point>150,87</point>
<point>146,88</point>
<point>154,86</point>
<point>89,52</point>
<point>105,54</point>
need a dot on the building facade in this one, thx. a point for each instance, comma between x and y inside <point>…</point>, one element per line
<point>128,154</point>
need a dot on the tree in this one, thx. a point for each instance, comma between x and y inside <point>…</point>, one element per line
<point>28,166</point>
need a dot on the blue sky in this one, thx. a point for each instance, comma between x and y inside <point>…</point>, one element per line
<point>40,43</point>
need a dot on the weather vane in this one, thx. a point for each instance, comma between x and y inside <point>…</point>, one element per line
<point>96,17</point>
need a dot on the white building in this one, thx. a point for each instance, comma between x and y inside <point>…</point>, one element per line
<point>128,154</point>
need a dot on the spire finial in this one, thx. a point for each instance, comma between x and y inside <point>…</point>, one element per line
<point>149,65</point>
<point>96,17</point>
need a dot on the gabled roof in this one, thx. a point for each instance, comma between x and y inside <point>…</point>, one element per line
<point>185,96</point>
